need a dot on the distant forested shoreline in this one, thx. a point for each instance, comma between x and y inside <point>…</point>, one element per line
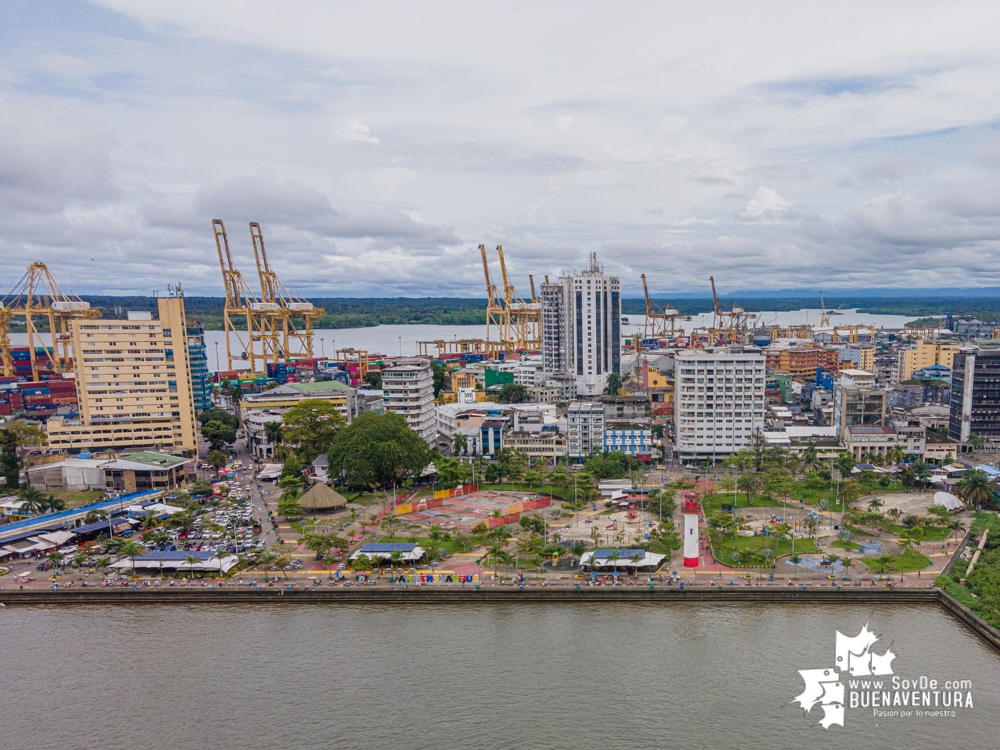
<point>362,312</point>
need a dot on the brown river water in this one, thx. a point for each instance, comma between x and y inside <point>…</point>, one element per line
<point>506,676</point>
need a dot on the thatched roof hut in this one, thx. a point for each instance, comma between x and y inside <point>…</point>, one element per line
<point>320,498</point>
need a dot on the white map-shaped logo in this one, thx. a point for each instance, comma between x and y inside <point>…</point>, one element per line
<point>854,658</point>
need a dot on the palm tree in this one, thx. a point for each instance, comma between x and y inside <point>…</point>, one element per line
<point>54,504</point>
<point>614,557</point>
<point>810,459</point>
<point>130,549</point>
<point>32,500</point>
<point>191,561</point>
<point>883,562</point>
<point>635,558</point>
<point>976,442</point>
<point>328,561</point>
<point>496,550</point>
<point>461,541</point>
<point>897,454</point>
<point>274,434</point>
<point>389,523</point>
<point>460,443</point>
<point>975,487</point>
<point>578,548</point>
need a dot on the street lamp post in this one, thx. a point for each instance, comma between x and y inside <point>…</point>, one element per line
<point>400,346</point>
<point>322,346</point>
<point>217,367</point>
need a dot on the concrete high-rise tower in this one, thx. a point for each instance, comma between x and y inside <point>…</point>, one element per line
<point>581,328</point>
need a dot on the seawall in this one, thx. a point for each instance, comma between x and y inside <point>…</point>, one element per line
<point>469,595</point>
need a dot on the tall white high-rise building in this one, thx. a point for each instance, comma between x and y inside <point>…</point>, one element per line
<point>581,328</point>
<point>719,400</point>
<point>408,390</point>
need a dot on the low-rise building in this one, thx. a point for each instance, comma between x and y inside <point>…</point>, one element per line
<point>69,475</point>
<point>939,447</point>
<point>548,443</point>
<point>869,438</point>
<point>254,422</point>
<point>631,438</point>
<point>147,471</point>
<point>284,397</point>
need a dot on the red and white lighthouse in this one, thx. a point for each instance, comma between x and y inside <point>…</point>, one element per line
<point>691,510</point>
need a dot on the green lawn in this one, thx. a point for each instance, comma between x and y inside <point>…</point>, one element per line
<point>844,544</point>
<point>931,533</point>
<point>76,499</point>
<point>907,562</point>
<point>755,543</point>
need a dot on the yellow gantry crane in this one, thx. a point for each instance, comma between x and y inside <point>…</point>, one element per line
<point>516,322</point>
<point>496,313</point>
<point>524,318</point>
<point>255,337</point>
<point>293,319</point>
<point>39,295</point>
<point>660,322</point>
<point>727,325</point>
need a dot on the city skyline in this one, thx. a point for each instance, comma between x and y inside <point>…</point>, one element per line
<point>803,148</point>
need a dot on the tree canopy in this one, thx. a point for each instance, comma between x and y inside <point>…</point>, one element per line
<point>376,449</point>
<point>513,393</point>
<point>216,414</point>
<point>218,434</point>
<point>310,426</point>
<point>611,465</point>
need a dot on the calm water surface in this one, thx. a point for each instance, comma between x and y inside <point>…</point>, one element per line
<point>597,676</point>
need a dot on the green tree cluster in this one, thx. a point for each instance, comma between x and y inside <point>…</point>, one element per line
<point>376,449</point>
<point>610,465</point>
<point>311,426</point>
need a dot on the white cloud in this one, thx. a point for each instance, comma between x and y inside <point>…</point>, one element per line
<point>356,131</point>
<point>766,207</point>
<point>865,134</point>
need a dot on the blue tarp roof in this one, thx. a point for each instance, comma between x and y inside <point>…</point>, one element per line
<point>116,521</point>
<point>404,547</point>
<point>623,554</point>
<point>991,471</point>
<point>65,516</point>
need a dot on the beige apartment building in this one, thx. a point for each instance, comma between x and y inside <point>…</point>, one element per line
<point>926,354</point>
<point>133,384</point>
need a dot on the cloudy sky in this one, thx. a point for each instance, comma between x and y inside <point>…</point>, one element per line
<point>776,146</point>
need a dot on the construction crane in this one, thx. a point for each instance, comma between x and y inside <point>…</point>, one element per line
<point>660,322</point>
<point>39,294</point>
<point>525,318</point>
<point>256,338</point>
<point>824,314</point>
<point>727,325</point>
<point>295,315</point>
<point>496,313</point>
